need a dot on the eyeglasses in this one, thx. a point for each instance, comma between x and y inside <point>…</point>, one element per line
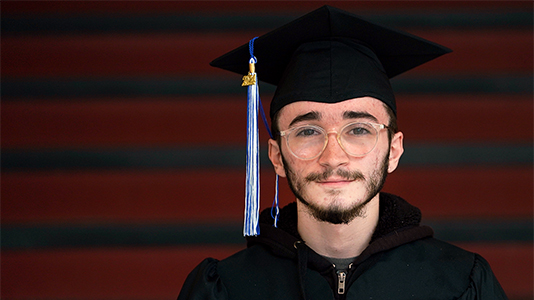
<point>309,141</point>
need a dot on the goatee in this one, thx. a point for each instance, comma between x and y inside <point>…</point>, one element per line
<point>335,214</point>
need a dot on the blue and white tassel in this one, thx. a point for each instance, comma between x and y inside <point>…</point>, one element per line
<point>252,182</point>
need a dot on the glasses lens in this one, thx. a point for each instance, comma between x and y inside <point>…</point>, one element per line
<point>306,142</point>
<point>359,139</point>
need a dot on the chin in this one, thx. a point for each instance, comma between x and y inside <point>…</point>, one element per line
<point>336,209</point>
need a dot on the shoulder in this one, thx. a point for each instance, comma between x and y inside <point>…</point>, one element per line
<point>483,283</point>
<point>430,268</point>
<point>429,258</point>
<point>441,258</point>
<point>431,249</point>
<point>255,269</point>
<point>253,273</point>
<point>431,253</point>
<point>203,283</point>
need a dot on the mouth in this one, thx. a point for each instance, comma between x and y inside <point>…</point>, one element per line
<point>330,178</point>
<point>331,182</point>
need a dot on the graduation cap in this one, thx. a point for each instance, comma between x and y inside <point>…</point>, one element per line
<point>328,55</point>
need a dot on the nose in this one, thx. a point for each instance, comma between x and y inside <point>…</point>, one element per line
<point>333,155</point>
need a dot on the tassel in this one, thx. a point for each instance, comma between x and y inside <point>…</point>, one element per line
<point>252,181</point>
<point>252,184</point>
<point>274,206</point>
<point>275,210</point>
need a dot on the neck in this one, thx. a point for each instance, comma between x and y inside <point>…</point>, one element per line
<point>338,240</point>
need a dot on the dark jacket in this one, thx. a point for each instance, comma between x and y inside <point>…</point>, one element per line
<point>403,261</point>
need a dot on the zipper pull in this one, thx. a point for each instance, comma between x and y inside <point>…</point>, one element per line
<point>341,276</point>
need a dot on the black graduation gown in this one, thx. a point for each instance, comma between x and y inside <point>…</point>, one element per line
<point>403,261</point>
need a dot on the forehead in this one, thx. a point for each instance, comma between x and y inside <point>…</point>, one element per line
<point>333,112</point>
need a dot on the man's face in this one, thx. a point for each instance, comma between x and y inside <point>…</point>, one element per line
<point>335,186</point>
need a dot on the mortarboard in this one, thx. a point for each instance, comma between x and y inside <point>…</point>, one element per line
<point>328,55</point>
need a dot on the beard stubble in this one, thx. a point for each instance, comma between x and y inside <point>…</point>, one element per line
<point>333,213</point>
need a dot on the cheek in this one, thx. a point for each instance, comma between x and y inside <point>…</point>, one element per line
<point>383,148</point>
<point>296,168</point>
<point>372,163</point>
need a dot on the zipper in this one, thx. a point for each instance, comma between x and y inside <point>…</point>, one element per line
<point>341,279</point>
<point>341,276</point>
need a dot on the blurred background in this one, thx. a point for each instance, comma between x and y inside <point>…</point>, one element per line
<point>123,151</point>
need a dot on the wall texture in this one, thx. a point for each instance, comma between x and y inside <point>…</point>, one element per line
<point>123,151</point>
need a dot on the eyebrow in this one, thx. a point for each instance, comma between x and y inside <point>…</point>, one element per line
<point>313,115</point>
<point>359,115</point>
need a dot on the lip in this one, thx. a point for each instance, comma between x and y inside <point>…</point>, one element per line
<point>334,182</point>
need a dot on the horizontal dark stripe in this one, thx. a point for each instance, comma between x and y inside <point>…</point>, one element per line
<point>513,84</point>
<point>113,87</point>
<point>20,237</point>
<point>195,22</point>
<point>150,158</point>
<point>68,235</point>
<point>232,157</point>
<point>28,88</point>
<point>473,230</point>
<point>244,7</point>
<point>482,154</point>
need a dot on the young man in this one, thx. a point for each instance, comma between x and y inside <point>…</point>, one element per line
<point>335,140</point>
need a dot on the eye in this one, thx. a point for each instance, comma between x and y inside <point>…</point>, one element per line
<point>306,132</point>
<point>359,130</point>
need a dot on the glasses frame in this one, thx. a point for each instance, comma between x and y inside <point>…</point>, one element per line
<point>376,126</point>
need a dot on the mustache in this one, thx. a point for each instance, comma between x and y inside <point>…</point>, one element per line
<point>348,175</point>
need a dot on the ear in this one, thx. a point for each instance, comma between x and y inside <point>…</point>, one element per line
<point>395,151</point>
<point>275,155</point>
